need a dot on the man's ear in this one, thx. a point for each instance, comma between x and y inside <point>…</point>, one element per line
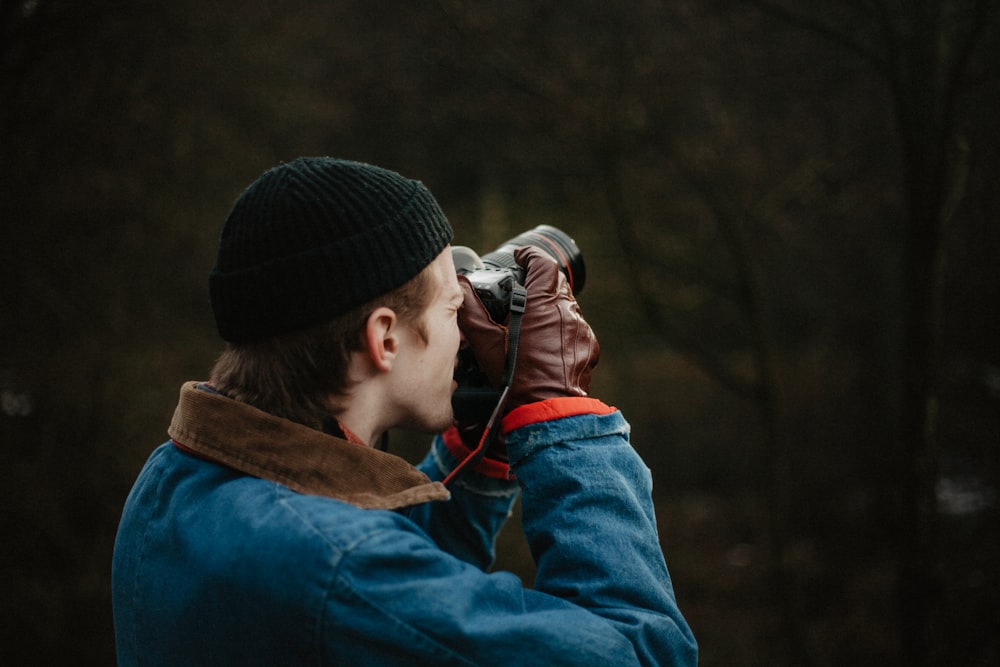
<point>380,338</point>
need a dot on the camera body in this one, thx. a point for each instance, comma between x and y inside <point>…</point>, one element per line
<point>494,284</point>
<point>494,277</point>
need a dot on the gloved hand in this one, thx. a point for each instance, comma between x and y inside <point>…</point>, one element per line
<point>557,350</point>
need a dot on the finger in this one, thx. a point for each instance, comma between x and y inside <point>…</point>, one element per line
<point>542,272</point>
<point>474,316</point>
<point>486,338</point>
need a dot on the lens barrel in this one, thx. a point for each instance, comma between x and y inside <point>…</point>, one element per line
<point>553,241</point>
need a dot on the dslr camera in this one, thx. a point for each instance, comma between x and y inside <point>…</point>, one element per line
<point>494,276</point>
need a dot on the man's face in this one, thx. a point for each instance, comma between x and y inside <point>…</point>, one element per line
<point>424,373</point>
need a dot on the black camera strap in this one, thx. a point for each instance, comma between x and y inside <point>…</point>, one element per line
<point>518,301</point>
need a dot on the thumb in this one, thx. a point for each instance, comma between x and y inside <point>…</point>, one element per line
<point>486,338</point>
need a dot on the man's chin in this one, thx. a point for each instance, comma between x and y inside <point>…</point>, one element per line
<point>432,426</point>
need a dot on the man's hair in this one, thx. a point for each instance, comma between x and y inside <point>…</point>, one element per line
<point>292,376</point>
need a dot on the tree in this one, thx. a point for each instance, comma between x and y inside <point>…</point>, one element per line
<point>929,55</point>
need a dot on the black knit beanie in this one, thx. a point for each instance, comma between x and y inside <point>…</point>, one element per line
<point>313,238</point>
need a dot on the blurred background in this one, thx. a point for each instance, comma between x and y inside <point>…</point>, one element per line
<point>789,212</point>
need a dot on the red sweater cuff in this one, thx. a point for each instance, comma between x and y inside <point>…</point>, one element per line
<point>485,466</point>
<point>554,408</point>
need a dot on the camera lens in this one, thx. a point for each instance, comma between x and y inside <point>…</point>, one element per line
<point>553,241</point>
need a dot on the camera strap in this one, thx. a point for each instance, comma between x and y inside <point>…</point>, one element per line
<point>518,300</point>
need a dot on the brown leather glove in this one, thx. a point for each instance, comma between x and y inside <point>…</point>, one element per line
<point>557,350</point>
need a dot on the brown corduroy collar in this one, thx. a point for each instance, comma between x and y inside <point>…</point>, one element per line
<point>303,459</point>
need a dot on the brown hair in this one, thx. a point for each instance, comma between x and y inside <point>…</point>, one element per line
<point>292,376</point>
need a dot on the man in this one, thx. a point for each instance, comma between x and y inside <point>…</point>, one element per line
<point>272,530</point>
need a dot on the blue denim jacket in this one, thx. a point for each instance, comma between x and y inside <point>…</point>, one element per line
<point>215,566</point>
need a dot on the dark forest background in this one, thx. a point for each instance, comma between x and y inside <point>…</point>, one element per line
<point>789,212</point>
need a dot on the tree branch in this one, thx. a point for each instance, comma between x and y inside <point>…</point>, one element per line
<point>814,25</point>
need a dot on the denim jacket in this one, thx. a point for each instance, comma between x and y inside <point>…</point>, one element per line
<point>251,540</point>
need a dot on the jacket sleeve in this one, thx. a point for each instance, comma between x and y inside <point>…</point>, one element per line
<point>602,593</point>
<point>467,525</point>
